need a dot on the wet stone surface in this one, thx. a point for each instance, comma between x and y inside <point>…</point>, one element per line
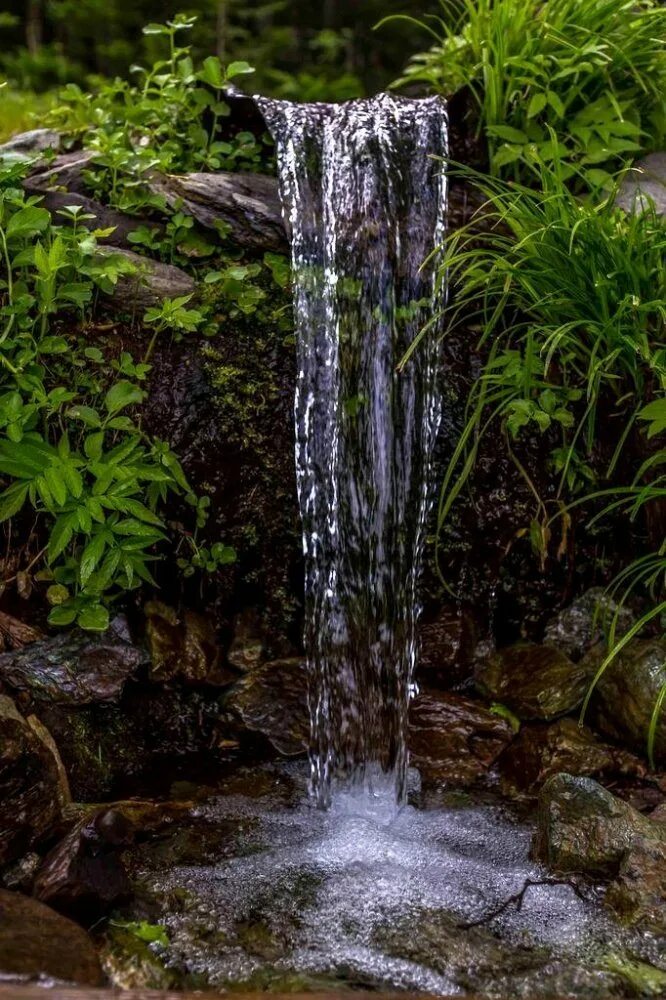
<point>258,890</point>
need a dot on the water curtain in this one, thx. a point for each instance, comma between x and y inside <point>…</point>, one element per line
<point>364,196</point>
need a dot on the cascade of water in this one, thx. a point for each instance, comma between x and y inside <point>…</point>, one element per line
<point>364,196</point>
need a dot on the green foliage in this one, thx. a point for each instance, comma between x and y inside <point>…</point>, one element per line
<point>169,122</point>
<point>70,448</point>
<point>583,83</point>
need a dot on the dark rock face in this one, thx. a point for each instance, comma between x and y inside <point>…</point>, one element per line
<point>271,699</point>
<point>183,645</point>
<point>30,793</point>
<point>74,668</point>
<point>584,828</point>
<point>36,942</point>
<point>448,647</point>
<point>626,693</point>
<point>149,285</point>
<point>539,752</point>
<point>28,143</point>
<point>535,682</point>
<point>638,894</point>
<point>453,740</point>
<point>578,627</point>
<point>83,876</point>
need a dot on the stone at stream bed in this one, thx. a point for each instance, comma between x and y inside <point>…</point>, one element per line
<point>625,695</point>
<point>584,828</point>
<point>535,682</point>
<point>580,626</point>
<point>271,699</point>
<point>74,668</point>
<point>453,740</point>
<point>448,646</point>
<point>638,894</point>
<point>645,182</point>
<point>83,876</point>
<point>30,792</point>
<point>539,752</point>
<point>37,943</point>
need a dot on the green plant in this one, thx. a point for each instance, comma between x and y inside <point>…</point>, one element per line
<point>580,82</point>
<point>70,449</point>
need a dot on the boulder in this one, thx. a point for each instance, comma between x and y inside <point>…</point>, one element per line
<point>36,943</point>
<point>183,644</point>
<point>453,740</point>
<point>272,700</point>
<point>248,204</point>
<point>644,182</point>
<point>448,647</point>
<point>582,827</point>
<point>74,668</point>
<point>83,876</point>
<point>539,752</point>
<point>625,695</point>
<point>30,792</point>
<point>638,894</point>
<point>149,283</point>
<point>27,144</point>
<point>578,627</point>
<point>535,682</point>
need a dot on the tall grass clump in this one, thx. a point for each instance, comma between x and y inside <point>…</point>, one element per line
<point>593,72</point>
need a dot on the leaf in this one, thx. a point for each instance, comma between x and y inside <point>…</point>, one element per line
<point>93,445</point>
<point>123,394</point>
<point>93,618</point>
<point>91,556</point>
<point>57,594</point>
<point>239,68</point>
<point>556,104</point>
<point>63,614</point>
<point>212,73</point>
<point>27,221</point>
<point>655,412</point>
<point>509,134</point>
<point>12,500</point>
<point>61,535</point>
<point>155,29</point>
<point>86,414</point>
<point>56,484</point>
<point>536,105</point>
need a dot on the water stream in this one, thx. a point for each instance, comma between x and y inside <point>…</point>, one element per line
<point>364,197</point>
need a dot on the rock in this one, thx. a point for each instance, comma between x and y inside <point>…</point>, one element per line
<point>20,875</point>
<point>247,648</point>
<point>539,752</point>
<point>74,668</point>
<point>535,682</point>
<point>83,876</point>
<point>149,285</point>
<point>183,645</point>
<point>638,894</point>
<point>30,793</point>
<point>103,217</point>
<point>272,700</point>
<point>106,746</point>
<point>579,626</point>
<point>14,634</point>
<point>453,740</point>
<point>581,827</point>
<point>448,646</point>
<point>626,694</point>
<point>27,144</point>
<point>248,204</point>
<point>645,181</point>
<point>37,943</point>
<point>64,172</point>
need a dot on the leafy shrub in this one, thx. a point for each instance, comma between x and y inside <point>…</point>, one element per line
<point>69,445</point>
<point>593,73</point>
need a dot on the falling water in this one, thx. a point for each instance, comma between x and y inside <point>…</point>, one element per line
<point>364,197</point>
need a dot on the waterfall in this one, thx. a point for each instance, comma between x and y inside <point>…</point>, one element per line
<point>364,198</point>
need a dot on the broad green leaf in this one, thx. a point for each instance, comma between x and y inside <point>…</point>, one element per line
<point>12,500</point>
<point>536,105</point>
<point>508,134</point>
<point>91,556</point>
<point>122,394</point>
<point>93,618</point>
<point>63,614</point>
<point>27,221</point>
<point>61,535</point>
<point>239,68</point>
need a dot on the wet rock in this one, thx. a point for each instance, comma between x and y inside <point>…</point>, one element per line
<point>643,183</point>
<point>37,943</point>
<point>535,682</point>
<point>539,752</point>
<point>30,793</point>
<point>638,894</point>
<point>271,699</point>
<point>149,285</point>
<point>20,875</point>
<point>626,693</point>
<point>581,827</point>
<point>248,204</point>
<point>74,668</point>
<point>37,140</point>
<point>83,876</point>
<point>14,634</point>
<point>580,626</point>
<point>247,649</point>
<point>132,963</point>
<point>448,647</point>
<point>183,645</point>
<point>453,740</point>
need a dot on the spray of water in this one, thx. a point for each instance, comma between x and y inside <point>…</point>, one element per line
<point>364,196</point>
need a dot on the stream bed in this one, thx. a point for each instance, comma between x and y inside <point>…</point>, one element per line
<point>258,890</point>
